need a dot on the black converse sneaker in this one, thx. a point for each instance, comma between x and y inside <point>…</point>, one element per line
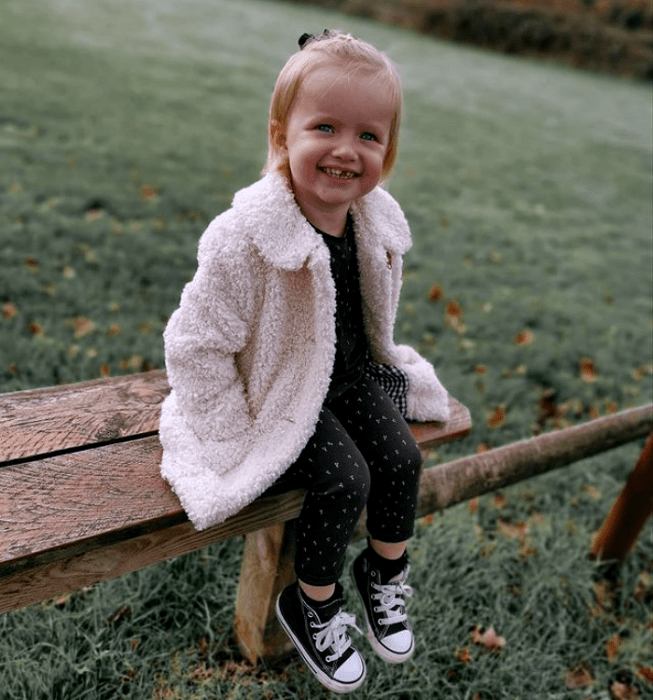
<point>383,600</point>
<point>321,638</point>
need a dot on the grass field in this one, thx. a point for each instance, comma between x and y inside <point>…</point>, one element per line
<point>126,126</point>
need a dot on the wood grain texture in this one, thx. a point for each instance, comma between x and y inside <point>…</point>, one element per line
<point>29,581</point>
<point>42,421</point>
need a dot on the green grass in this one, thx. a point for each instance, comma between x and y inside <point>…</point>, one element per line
<point>126,126</point>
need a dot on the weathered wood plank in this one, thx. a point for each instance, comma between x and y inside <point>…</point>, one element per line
<point>29,581</point>
<point>82,496</point>
<point>431,434</point>
<point>42,421</point>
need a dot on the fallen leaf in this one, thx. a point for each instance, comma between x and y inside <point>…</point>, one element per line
<point>473,505</point>
<point>489,639</point>
<point>9,310</point>
<point>149,193</point>
<point>524,338</point>
<point>646,674</point>
<point>587,370</point>
<point>497,417</point>
<point>453,316</point>
<point>579,677</point>
<point>612,646</point>
<point>621,691</point>
<point>463,655</point>
<point>82,326</point>
<point>32,264</point>
<point>36,329</point>
<point>435,293</point>
<point>513,531</point>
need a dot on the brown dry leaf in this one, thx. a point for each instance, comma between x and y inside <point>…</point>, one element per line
<point>453,316</point>
<point>483,447</point>
<point>435,293</point>
<point>9,309</point>
<point>489,639</point>
<point>612,646</point>
<point>524,338</point>
<point>149,192</point>
<point>527,551</point>
<point>36,329</point>
<point>579,677</point>
<point>513,531</point>
<point>499,500</point>
<point>463,655</point>
<point>82,326</point>
<point>587,370</point>
<point>497,418</point>
<point>646,674</point>
<point>472,506</point>
<point>621,691</point>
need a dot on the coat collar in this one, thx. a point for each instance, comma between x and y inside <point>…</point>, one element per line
<point>286,239</point>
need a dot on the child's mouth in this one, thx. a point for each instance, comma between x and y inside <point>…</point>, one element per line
<point>339,174</point>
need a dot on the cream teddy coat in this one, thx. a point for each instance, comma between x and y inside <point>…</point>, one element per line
<point>250,350</point>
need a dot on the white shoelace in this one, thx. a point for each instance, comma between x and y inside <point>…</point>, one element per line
<point>390,597</point>
<point>333,634</point>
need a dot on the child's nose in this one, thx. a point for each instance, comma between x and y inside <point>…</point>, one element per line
<point>344,148</point>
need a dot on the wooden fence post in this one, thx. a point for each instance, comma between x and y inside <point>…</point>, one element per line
<point>629,512</point>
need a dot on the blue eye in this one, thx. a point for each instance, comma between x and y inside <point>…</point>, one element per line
<point>327,128</point>
<point>367,136</point>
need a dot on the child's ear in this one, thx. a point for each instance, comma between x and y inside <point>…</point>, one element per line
<point>277,135</point>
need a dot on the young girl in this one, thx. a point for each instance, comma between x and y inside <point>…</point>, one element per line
<point>281,345</point>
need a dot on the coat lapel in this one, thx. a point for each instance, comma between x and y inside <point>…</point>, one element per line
<point>284,239</point>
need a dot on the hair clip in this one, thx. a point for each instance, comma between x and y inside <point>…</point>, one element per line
<point>304,38</point>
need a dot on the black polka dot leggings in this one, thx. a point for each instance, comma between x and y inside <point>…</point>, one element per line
<point>361,454</point>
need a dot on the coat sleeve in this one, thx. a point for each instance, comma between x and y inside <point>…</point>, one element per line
<point>202,340</point>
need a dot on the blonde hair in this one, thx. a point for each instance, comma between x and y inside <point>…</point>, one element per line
<point>332,46</point>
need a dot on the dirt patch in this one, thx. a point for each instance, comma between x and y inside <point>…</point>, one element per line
<point>613,36</point>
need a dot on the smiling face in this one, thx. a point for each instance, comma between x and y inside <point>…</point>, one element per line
<point>336,138</point>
